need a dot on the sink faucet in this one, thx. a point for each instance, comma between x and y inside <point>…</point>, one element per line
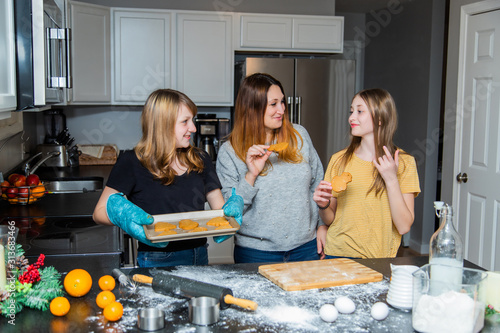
<point>28,170</point>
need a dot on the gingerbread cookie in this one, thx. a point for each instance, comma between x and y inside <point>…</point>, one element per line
<point>339,183</point>
<point>188,224</point>
<point>224,227</point>
<point>277,147</point>
<point>198,229</point>
<point>162,226</point>
<point>218,221</point>
<point>168,232</point>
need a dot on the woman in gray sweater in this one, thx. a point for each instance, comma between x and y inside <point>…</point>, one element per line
<point>280,218</point>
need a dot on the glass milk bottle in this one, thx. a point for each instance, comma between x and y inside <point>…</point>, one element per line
<point>446,247</point>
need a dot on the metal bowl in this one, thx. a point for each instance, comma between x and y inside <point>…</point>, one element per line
<point>204,310</point>
<point>151,319</point>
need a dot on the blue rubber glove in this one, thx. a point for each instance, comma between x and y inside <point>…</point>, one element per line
<point>130,218</point>
<point>234,208</point>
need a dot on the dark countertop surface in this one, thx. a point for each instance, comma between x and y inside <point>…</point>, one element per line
<point>279,311</point>
<point>74,204</point>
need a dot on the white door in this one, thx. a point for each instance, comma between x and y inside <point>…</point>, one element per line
<point>477,195</point>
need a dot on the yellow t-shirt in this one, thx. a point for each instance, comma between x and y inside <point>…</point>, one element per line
<point>363,225</point>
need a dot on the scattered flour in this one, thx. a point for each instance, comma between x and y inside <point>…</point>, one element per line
<point>278,311</point>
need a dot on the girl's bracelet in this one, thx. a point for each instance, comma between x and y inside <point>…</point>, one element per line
<point>323,208</point>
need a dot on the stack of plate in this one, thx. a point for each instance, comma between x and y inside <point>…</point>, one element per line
<point>400,294</point>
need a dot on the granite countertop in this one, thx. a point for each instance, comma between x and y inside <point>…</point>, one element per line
<point>278,311</point>
<point>73,204</point>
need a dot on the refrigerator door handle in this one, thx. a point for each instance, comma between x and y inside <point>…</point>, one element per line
<point>298,106</point>
<point>290,108</point>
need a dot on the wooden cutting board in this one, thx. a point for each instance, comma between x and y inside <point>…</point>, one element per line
<point>316,274</point>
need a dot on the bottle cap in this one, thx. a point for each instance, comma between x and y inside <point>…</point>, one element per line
<point>438,205</point>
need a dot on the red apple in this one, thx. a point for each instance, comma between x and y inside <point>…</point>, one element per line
<point>14,177</point>
<point>5,185</point>
<point>32,180</point>
<point>21,181</point>
<point>23,192</point>
<point>12,192</point>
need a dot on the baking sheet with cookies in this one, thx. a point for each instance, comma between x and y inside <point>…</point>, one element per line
<point>201,217</point>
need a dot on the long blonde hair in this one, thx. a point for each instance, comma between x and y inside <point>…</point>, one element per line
<point>382,108</point>
<point>156,150</point>
<point>250,108</point>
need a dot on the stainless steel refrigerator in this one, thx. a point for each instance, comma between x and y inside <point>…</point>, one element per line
<point>319,93</point>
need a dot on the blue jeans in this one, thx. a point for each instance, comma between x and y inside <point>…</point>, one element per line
<point>337,257</point>
<point>196,256</point>
<point>305,252</point>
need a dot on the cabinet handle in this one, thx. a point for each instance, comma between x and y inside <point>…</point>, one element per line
<point>54,58</point>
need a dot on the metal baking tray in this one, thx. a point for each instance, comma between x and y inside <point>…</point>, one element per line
<point>202,217</point>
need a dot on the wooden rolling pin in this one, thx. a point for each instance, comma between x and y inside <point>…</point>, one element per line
<point>172,284</point>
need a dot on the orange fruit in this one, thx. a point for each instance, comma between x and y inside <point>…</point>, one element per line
<point>77,282</point>
<point>59,306</point>
<point>107,282</point>
<point>104,298</point>
<point>38,191</point>
<point>113,311</point>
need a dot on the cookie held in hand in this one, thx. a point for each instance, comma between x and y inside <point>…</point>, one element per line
<point>277,147</point>
<point>339,183</point>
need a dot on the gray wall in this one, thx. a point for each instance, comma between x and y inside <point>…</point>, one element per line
<point>404,54</point>
<point>310,7</point>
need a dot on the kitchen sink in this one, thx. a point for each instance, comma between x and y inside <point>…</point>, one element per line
<point>74,185</point>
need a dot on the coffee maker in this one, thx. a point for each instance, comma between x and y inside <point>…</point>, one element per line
<point>211,132</point>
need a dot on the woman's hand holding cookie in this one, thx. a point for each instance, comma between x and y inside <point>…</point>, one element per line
<point>257,156</point>
<point>323,193</point>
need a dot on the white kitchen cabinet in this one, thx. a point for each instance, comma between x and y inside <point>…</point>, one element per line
<point>266,31</point>
<point>205,57</point>
<point>142,54</point>
<point>8,100</point>
<point>302,33</point>
<point>91,54</point>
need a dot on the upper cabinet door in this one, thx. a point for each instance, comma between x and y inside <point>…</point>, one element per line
<point>7,60</point>
<point>142,59</point>
<point>205,58</point>
<point>91,54</point>
<point>266,31</point>
<point>302,33</point>
<point>318,34</point>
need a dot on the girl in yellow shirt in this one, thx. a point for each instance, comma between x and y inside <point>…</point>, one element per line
<point>369,217</point>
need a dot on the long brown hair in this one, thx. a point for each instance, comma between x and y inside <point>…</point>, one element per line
<point>249,129</point>
<point>382,108</point>
<point>156,150</point>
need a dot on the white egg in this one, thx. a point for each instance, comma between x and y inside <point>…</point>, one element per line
<point>328,313</point>
<point>380,311</point>
<point>345,305</point>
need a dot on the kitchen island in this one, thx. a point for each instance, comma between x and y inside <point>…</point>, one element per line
<point>279,310</point>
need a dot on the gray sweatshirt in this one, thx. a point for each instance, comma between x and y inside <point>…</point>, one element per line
<point>279,212</point>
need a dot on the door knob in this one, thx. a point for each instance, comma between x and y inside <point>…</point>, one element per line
<point>462,178</point>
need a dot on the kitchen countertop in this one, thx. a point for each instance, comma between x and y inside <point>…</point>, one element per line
<point>279,311</point>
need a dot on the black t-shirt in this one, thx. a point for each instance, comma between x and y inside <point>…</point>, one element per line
<point>187,192</point>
